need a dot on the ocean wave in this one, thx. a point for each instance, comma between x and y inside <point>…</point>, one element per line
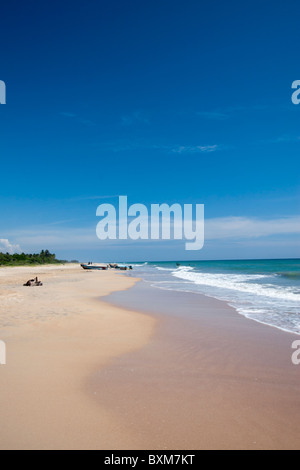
<point>138,265</point>
<point>240,283</point>
<point>184,269</point>
<point>270,297</point>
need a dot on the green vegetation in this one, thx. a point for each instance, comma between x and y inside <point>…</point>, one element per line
<point>45,257</point>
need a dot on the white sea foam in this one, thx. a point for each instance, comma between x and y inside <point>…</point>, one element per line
<point>252,295</point>
<point>138,265</point>
<point>238,282</point>
<point>264,297</point>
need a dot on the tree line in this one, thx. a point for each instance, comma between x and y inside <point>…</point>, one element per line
<point>44,257</point>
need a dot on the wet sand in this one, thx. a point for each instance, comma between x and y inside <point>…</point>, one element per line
<point>209,379</point>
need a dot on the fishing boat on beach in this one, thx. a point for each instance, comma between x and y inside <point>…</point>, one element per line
<point>94,267</point>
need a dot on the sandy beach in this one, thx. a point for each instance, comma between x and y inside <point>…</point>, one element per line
<point>131,372</point>
<point>56,336</point>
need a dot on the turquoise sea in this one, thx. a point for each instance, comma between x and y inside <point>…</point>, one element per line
<point>267,291</point>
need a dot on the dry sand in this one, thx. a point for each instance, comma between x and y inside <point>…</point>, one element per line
<point>56,335</point>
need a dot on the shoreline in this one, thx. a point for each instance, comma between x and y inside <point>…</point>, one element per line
<point>266,291</point>
<point>201,294</point>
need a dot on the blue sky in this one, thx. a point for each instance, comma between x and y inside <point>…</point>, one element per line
<point>162,101</point>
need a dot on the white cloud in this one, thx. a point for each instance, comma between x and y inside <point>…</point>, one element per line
<point>37,238</point>
<point>195,149</point>
<point>243,227</point>
<point>125,145</point>
<point>7,247</point>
